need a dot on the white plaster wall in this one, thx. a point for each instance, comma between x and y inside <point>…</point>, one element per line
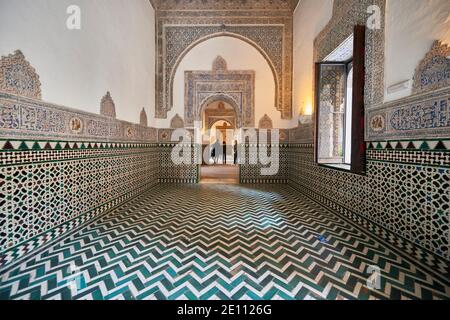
<point>310,17</point>
<point>114,50</point>
<point>411,28</point>
<point>239,56</point>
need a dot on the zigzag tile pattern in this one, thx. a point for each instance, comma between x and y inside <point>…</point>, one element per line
<point>220,242</point>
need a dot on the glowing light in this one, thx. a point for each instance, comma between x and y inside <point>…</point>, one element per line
<point>307,111</point>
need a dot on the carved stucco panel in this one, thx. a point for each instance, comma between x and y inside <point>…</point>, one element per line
<point>265,122</point>
<point>232,86</point>
<point>17,76</point>
<point>176,122</point>
<point>107,106</point>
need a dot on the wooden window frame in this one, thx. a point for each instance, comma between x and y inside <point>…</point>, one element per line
<point>358,147</point>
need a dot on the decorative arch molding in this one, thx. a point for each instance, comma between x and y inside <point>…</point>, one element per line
<point>276,70</point>
<point>213,120</point>
<point>180,31</point>
<point>235,87</point>
<point>176,122</point>
<point>17,76</point>
<point>234,117</point>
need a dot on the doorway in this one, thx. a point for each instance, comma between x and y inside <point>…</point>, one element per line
<point>219,136</point>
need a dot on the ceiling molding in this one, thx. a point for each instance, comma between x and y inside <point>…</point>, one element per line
<point>219,5</point>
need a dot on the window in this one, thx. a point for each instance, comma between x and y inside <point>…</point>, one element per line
<point>340,106</point>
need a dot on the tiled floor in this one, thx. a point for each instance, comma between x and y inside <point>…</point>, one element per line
<point>227,174</point>
<point>220,242</point>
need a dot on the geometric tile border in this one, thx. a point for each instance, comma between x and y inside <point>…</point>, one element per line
<point>439,159</point>
<point>430,145</point>
<point>423,152</point>
<point>21,152</point>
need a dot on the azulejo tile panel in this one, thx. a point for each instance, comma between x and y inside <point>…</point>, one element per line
<point>43,188</point>
<point>408,198</point>
<point>32,119</point>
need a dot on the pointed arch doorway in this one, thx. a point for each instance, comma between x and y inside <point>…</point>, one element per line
<point>219,124</point>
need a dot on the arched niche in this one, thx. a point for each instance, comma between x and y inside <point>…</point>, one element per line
<point>219,108</point>
<point>236,87</point>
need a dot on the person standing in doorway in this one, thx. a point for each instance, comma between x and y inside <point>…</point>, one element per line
<point>224,151</point>
<point>213,153</point>
<point>217,151</point>
<point>235,151</point>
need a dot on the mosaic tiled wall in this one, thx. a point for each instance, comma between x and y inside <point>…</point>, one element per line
<point>169,172</point>
<point>251,172</point>
<point>48,185</point>
<point>405,189</point>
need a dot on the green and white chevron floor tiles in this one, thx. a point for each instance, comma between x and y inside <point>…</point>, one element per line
<point>220,242</point>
